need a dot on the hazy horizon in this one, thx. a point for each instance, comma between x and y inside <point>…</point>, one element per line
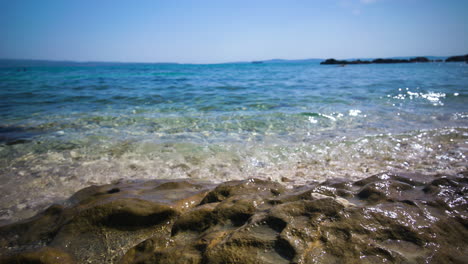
<point>206,32</point>
<point>224,62</point>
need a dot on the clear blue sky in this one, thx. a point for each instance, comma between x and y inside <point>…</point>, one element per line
<point>211,31</point>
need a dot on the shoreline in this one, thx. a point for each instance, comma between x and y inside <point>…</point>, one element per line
<point>462,58</point>
<point>35,180</point>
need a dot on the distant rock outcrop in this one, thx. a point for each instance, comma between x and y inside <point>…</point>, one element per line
<point>419,59</point>
<point>333,61</point>
<point>457,58</point>
<point>343,62</point>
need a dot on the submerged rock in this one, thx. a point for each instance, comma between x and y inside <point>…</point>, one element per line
<point>395,218</point>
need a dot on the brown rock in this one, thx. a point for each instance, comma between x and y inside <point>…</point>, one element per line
<point>45,255</point>
<point>392,218</point>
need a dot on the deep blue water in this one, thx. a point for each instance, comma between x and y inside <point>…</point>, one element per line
<point>63,128</point>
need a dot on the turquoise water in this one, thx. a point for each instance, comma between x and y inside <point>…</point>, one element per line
<point>64,128</point>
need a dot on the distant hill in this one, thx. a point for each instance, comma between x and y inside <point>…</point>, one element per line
<point>49,63</point>
<point>378,61</point>
<point>273,61</point>
<point>293,61</point>
<point>462,58</point>
<point>404,58</point>
<point>443,58</point>
<point>458,58</point>
<point>429,57</point>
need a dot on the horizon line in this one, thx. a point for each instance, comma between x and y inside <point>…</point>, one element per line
<point>227,62</point>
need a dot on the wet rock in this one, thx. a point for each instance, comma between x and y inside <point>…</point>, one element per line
<point>98,224</point>
<point>379,190</point>
<point>250,187</point>
<point>45,255</point>
<point>394,218</point>
<point>11,135</point>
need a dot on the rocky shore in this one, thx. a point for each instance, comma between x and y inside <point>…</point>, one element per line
<point>377,61</point>
<point>384,61</point>
<point>391,218</point>
<point>457,58</point>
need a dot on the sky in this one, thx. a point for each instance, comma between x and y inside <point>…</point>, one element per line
<point>214,31</point>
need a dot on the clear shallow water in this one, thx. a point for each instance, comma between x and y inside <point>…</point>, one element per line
<point>64,128</point>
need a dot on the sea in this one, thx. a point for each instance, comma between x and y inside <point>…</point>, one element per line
<point>63,128</point>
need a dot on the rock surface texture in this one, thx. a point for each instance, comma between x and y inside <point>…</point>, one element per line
<point>386,218</point>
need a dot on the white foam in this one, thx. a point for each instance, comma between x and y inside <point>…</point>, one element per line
<point>354,112</point>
